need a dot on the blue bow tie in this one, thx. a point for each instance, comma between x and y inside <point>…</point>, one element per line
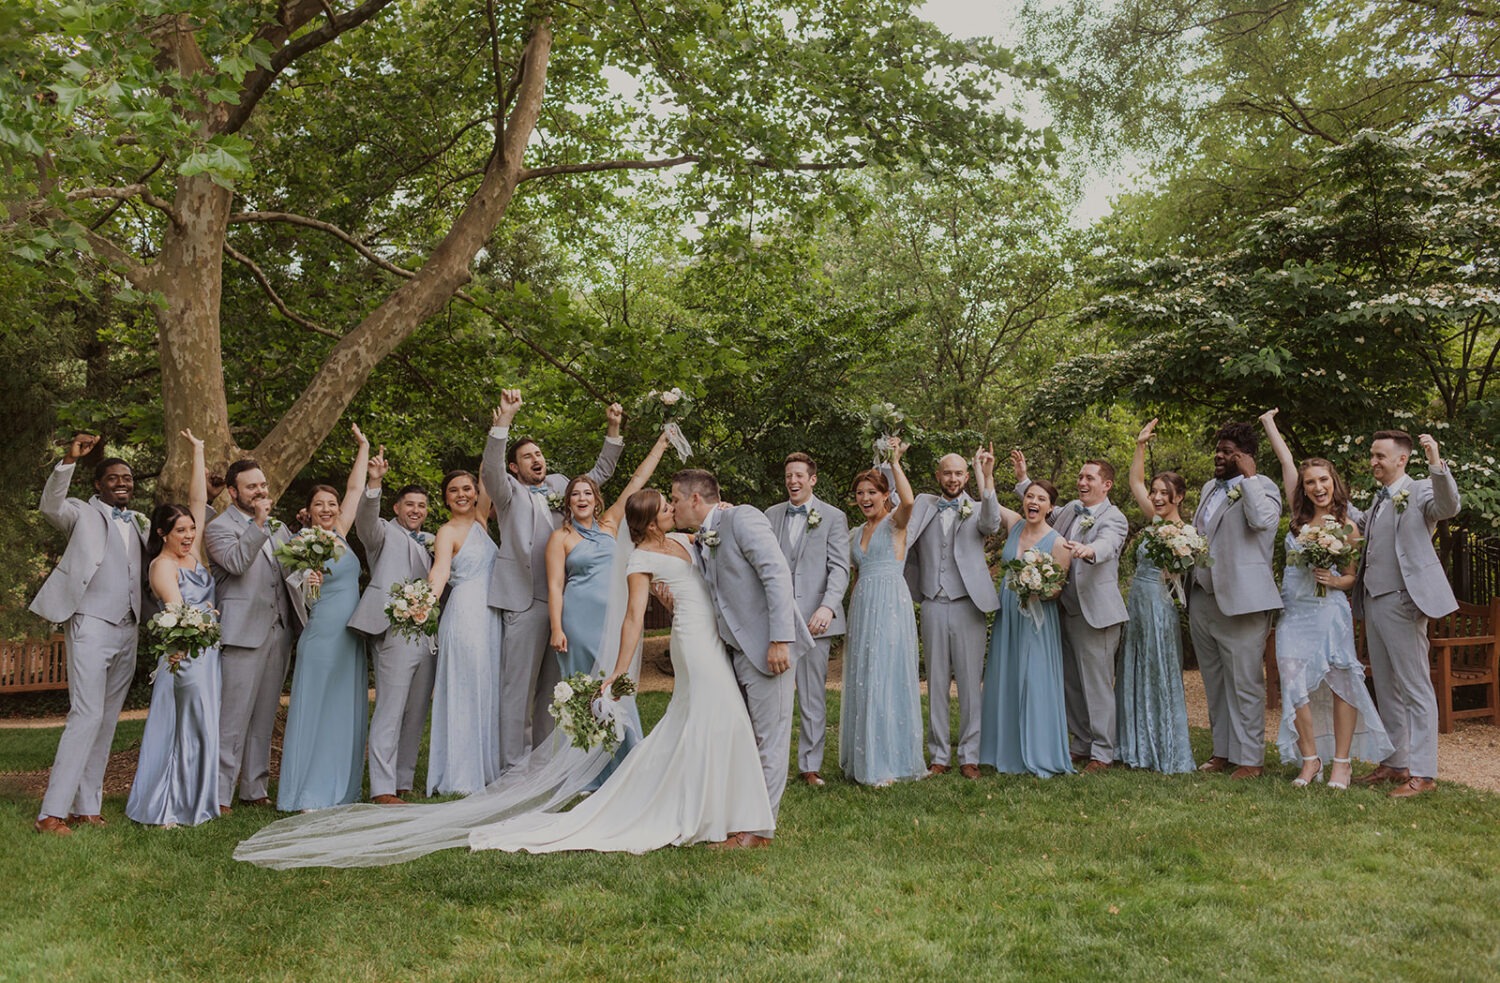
<point>538,489</point>
<point>115,513</point>
<point>949,503</point>
<point>416,534</point>
<point>797,510</point>
<point>1383,495</point>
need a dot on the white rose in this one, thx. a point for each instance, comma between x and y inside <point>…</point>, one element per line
<point>562,692</point>
<point>670,397</point>
<point>167,620</point>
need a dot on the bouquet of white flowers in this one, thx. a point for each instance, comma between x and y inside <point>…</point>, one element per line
<point>1034,576</point>
<point>586,714</point>
<point>883,428</point>
<point>1175,548</point>
<point>413,608</point>
<point>310,549</point>
<point>667,409</point>
<point>182,627</point>
<point>1327,546</point>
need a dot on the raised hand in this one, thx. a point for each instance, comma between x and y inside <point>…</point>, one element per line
<point>80,446</point>
<point>1018,463</point>
<point>194,441</point>
<point>359,437</point>
<point>377,467</point>
<point>984,460</point>
<point>1430,448</point>
<point>262,509</point>
<point>1269,416</point>
<point>1148,432</point>
<point>614,415</point>
<point>510,403</point>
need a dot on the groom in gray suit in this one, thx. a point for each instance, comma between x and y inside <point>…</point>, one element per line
<point>751,585</point>
<point>95,594</point>
<point>814,537</point>
<point>396,549</point>
<point>1093,610</point>
<point>256,618</point>
<point>515,476</point>
<point>1399,586</point>
<point>1231,602</point>
<point>946,568</point>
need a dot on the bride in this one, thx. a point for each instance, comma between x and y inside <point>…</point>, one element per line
<point>695,778</point>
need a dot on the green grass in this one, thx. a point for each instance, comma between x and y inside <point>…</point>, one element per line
<point>1120,875</point>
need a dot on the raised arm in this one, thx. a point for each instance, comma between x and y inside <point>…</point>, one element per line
<point>354,488</point>
<point>233,547</point>
<point>197,499</point>
<point>557,578</point>
<point>1138,486</point>
<point>492,474</point>
<point>60,511</point>
<point>1289,478</point>
<point>616,511</point>
<point>1444,503</point>
<point>1009,517</point>
<point>609,454</point>
<point>639,586</point>
<point>905,499</point>
<point>367,512</point>
<point>989,502</point>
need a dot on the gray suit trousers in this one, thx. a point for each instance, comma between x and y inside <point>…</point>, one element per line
<point>101,663</point>
<point>812,704</point>
<point>1396,631</point>
<point>953,643</point>
<point>1231,655</point>
<point>403,694</point>
<point>1088,657</point>
<point>526,680</point>
<point>252,681</point>
<point>769,700</point>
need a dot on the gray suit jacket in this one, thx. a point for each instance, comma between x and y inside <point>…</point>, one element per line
<point>751,585</point>
<point>520,576</point>
<point>86,524</point>
<point>1241,538</point>
<point>1093,589</point>
<point>1432,500</point>
<point>392,555</point>
<point>924,533</point>
<point>252,586</point>
<point>820,563</point>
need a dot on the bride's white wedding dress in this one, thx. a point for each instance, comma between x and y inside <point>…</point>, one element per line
<point>696,777</point>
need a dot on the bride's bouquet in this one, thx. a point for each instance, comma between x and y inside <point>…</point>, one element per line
<point>586,714</point>
<point>1034,576</point>
<point>1327,546</point>
<point>1175,548</point>
<point>413,608</point>
<point>311,549</point>
<point>667,409</point>
<point>883,428</point>
<point>182,627</point>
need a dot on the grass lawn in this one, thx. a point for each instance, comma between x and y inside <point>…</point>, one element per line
<point>1119,875</point>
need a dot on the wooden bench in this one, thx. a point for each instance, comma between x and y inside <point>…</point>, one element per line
<point>1466,653</point>
<point>33,664</point>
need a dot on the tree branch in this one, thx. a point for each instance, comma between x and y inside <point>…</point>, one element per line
<point>270,291</point>
<point>631,164</point>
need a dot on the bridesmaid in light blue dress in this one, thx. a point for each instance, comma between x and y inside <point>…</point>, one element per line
<point>176,781</point>
<point>323,752</point>
<point>1023,725</point>
<point>880,720</point>
<point>464,750</point>
<point>1150,705</point>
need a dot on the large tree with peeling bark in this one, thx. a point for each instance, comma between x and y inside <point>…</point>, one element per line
<point>148,143</point>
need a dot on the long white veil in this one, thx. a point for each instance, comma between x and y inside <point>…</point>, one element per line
<point>546,780</point>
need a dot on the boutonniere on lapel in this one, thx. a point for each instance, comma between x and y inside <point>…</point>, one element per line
<point>554,501</point>
<point>965,510</point>
<point>1235,494</point>
<point>140,520</point>
<point>814,519</point>
<point>1401,498</point>
<point>1087,523</point>
<point>709,538</point>
<point>273,525</point>
<point>427,541</point>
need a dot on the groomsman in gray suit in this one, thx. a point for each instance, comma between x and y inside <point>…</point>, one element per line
<point>515,476</point>
<point>256,617</point>
<point>396,549</point>
<point>1399,586</point>
<point>760,624</point>
<point>95,594</point>
<point>1231,603</point>
<point>814,537</point>
<point>946,568</point>
<point>1093,610</point>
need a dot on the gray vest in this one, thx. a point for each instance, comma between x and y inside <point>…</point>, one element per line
<point>1382,568</point>
<point>950,582</point>
<point>113,595</point>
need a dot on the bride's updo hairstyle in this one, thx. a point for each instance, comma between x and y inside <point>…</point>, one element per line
<point>640,511</point>
<point>163,524</point>
<point>1175,484</point>
<point>874,477</point>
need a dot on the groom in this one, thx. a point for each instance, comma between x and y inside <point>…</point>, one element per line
<point>751,585</point>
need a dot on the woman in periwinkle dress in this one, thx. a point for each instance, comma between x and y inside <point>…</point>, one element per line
<point>323,752</point>
<point>464,750</point>
<point>1023,727</point>
<point>880,721</point>
<point>176,779</point>
<point>1150,705</point>
<point>1326,711</point>
<point>580,566</point>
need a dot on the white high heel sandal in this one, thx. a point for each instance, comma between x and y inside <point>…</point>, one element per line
<point>1300,782</point>
<point>1338,785</point>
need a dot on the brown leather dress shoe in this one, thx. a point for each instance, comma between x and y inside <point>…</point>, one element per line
<point>1079,759</point>
<point>1414,786</point>
<point>970,772</point>
<point>52,826</point>
<point>387,800</point>
<point>1246,771</point>
<point>225,810</point>
<point>937,769</point>
<point>1095,765</point>
<point>1215,763</point>
<point>1383,775</point>
<point>78,820</point>
<point>813,778</point>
